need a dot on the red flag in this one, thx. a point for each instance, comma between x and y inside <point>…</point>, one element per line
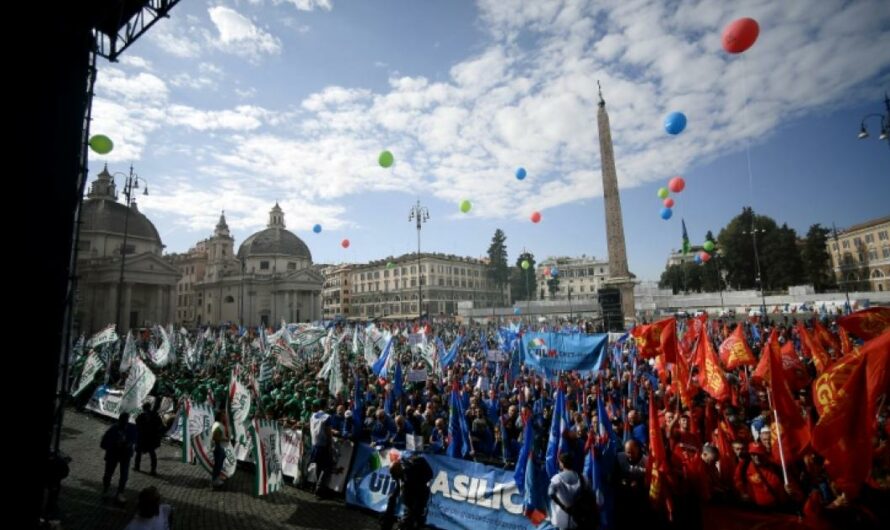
<point>827,386</point>
<point>795,430</point>
<point>877,355</point>
<point>814,349</point>
<point>828,340</point>
<point>734,351</point>
<point>795,373</point>
<point>845,429</point>
<point>867,323</point>
<point>658,469</point>
<point>761,373</point>
<point>713,380</point>
<point>658,337</point>
<point>846,343</point>
<point>682,379</point>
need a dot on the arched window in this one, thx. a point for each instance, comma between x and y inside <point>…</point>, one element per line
<point>877,274</point>
<point>229,300</point>
<point>852,277</point>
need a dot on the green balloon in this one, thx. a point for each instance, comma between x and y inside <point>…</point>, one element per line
<point>663,193</point>
<point>101,144</point>
<point>385,159</point>
<point>708,246</point>
<point>465,206</point>
<point>525,264</point>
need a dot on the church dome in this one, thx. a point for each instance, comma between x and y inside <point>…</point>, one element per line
<point>102,213</point>
<point>274,240</point>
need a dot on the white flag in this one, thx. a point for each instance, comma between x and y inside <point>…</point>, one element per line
<point>139,384</point>
<point>130,353</point>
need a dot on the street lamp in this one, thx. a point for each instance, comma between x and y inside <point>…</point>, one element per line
<point>885,123</point>
<point>131,182</point>
<point>420,214</point>
<point>754,231</point>
<point>571,310</point>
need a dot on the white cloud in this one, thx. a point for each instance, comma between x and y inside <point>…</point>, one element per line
<point>177,38</point>
<point>240,36</point>
<point>241,118</point>
<point>136,62</point>
<point>307,5</point>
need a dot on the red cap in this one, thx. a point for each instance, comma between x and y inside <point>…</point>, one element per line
<point>755,448</point>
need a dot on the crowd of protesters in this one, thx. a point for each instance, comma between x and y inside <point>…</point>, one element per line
<point>647,414</point>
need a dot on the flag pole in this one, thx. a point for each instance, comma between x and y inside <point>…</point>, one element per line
<point>769,395</point>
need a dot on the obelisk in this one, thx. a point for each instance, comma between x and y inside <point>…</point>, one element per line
<point>619,276</point>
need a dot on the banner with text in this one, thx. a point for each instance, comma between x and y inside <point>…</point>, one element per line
<point>464,495</point>
<point>556,352</point>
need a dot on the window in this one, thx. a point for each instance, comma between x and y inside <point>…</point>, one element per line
<point>229,300</point>
<point>413,282</point>
<point>886,252</point>
<point>83,245</point>
<point>404,271</point>
<point>264,265</point>
<point>882,235</point>
<point>872,254</point>
<point>846,243</point>
<point>442,281</point>
<point>601,270</point>
<point>869,238</point>
<point>386,274</point>
<point>413,269</point>
<point>858,241</point>
<point>291,266</point>
<point>834,246</point>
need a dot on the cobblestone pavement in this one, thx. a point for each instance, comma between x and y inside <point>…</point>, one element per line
<point>187,489</point>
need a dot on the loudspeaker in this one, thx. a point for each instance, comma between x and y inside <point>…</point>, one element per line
<point>610,304</point>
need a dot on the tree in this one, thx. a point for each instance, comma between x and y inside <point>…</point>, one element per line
<point>781,259</point>
<point>686,277</point>
<point>711,271</point>
<point>736,242</point>
<point>498,270</point>
<point>524,283</point>
<point>816,260</point>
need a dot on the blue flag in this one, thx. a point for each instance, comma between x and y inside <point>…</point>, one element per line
<point>524,452</point>
<point>387,402</point>
<point>398,388</point>
<point>381,366</point>
<point>451,354</point>
<point>458,433</point>
<point>558,424</point>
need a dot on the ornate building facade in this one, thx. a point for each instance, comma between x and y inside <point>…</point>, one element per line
<point>860,256</point>
<point>271,278</point>
<point>147,287</point>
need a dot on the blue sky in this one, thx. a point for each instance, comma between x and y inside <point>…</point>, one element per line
<point>233,105</point>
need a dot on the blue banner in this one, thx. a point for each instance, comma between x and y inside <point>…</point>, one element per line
<point>464,495</point>
<point>560,352</point>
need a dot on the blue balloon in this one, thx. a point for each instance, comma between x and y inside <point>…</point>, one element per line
<point>520,173</point>
<point>666,213</point>
<point>316,229</point>
<point>697,259</point>
<point>516,310</point>
<point>675,123</point>
<point>102,391</point>
<point>554,271</point>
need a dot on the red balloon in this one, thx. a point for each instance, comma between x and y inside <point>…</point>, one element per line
<point>536,217</point>
<point>740,35</point>
<point>705,257</point>
<point>676,184</point>
<point>669,203</point>
<point>345,243</point>
<point>546,271</point>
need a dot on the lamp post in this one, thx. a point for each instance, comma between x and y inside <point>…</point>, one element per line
<point>131,182</point>
<point>885,123</point>
<point>754,231</point>
<point>420,214</point>
<point>571,310</point>
<point>241,297</point>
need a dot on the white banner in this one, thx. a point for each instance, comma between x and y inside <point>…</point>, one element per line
<point>103,337</point>
<point>415,376</point>
<point>91,367</point>
<point>198,421</point>
<point>292,454</point>
<point>496,356</point>
<point>139,384</point>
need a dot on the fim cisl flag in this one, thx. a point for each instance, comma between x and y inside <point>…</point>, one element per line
<point>266,436</point>
<point>198,418</point>
<point>203,447</point>
<point>139,384</point>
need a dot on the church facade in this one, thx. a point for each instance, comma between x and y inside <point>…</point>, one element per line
<point>142,291</point>
<point>271,278</point>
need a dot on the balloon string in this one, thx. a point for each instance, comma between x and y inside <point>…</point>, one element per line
<point>746,113</point>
